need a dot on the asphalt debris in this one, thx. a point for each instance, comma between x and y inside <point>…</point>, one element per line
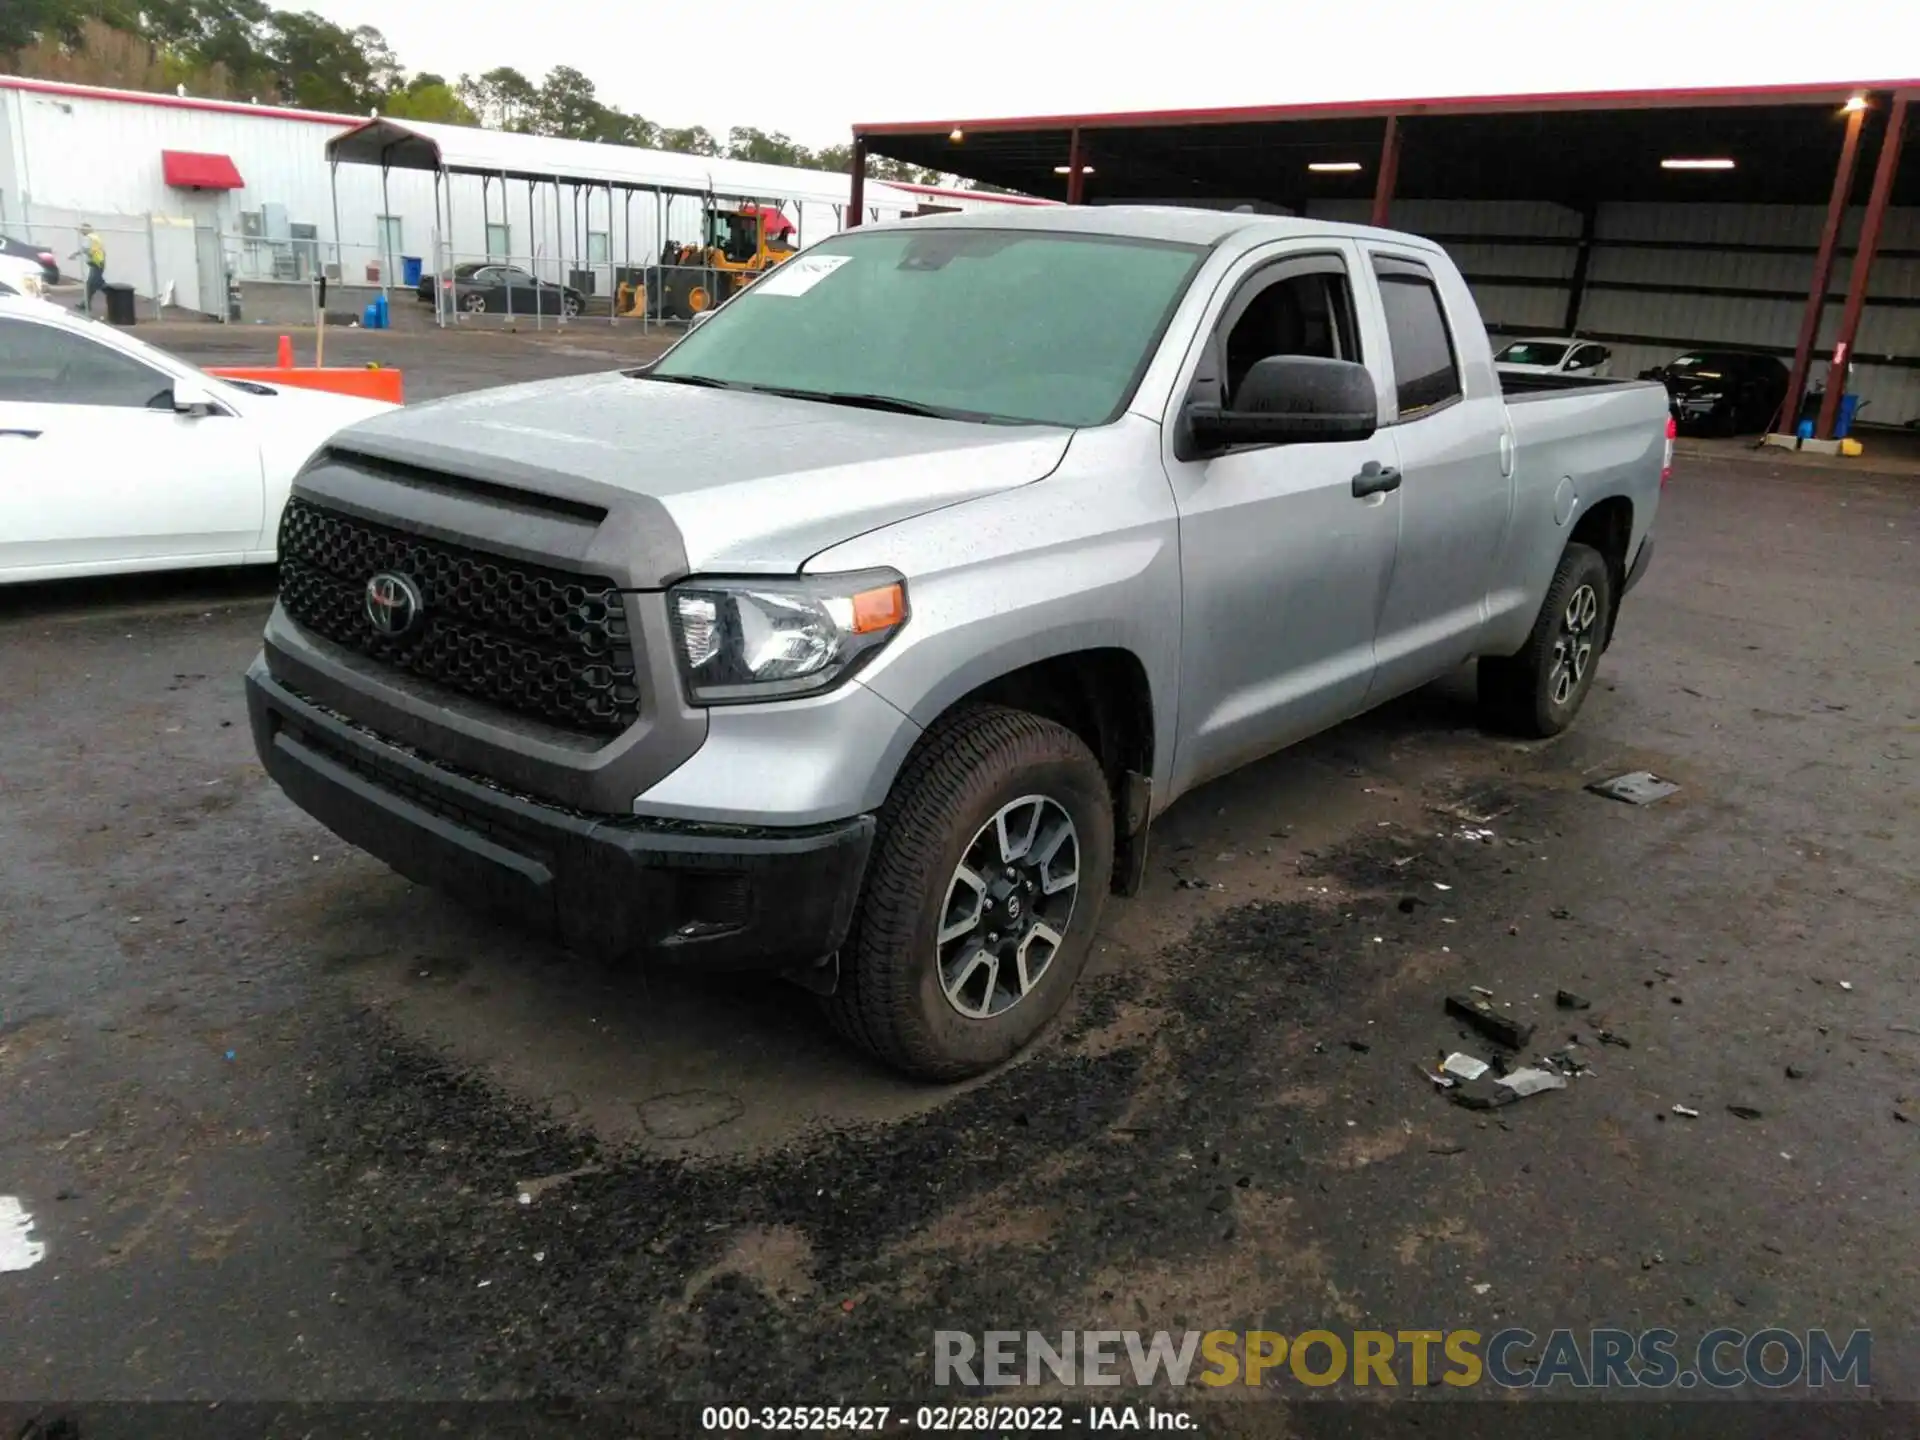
<point>1638,787</point>
<point>1744,1112</point>
<point>1502,1029</point>
<point>1568,1000</point>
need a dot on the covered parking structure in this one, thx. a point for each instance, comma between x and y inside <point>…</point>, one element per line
<point>576,199</point>
<point>1778,219</point>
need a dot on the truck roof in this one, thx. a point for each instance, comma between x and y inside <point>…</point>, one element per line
<point>1149,222</point>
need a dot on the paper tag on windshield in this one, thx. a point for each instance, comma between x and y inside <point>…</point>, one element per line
<point>800,274</point>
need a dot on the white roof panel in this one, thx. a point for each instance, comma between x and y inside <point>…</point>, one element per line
<point>420,145</point>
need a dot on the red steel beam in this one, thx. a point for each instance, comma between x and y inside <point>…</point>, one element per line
<point>1822,271</point>
<point>1863,264</point>
<point>857,194</point>
<point>1389,174</point>
<point>1076,170</point>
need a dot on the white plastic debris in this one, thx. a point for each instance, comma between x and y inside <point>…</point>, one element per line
<point>1438,886</point>
<point>1530,1081</point>
<point>18,1250</point>
<point>1465,1066</point>
<point>1481,990</point>
<point>1846,985</point>
<point>1687,1111</point>
<point>1483,1287</point>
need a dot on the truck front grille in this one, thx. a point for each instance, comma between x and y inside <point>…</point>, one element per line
<point>539,642</point>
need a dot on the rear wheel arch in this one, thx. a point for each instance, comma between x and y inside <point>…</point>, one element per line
<point>1608,528</point>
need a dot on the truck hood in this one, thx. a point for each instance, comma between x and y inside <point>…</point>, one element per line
<point>752,482</point>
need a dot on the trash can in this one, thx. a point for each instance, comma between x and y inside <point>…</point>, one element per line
<point>1843,417</point>
<point>119,304</point>
<point>410,266</point>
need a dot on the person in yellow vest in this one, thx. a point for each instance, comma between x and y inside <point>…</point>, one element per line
<point>94,250</point>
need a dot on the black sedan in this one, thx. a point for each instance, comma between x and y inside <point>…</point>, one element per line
<point>33,250</point>
<point>1723,392</point>
<point>503,289</point>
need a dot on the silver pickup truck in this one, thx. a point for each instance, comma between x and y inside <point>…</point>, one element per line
<point>861,637</point>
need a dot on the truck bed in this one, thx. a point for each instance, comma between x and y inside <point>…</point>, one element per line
<point>1521,388</point>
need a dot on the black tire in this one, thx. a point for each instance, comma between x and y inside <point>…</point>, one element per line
<point>571,305</point>
<point>891,999</point>
<point>1522,693</point>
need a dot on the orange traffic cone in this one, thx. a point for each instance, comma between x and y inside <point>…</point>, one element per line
<point>286,352</point>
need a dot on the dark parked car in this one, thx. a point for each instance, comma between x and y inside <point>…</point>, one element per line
<point>503,289</point>
<point>1723,392</point>
<point>33,250</point>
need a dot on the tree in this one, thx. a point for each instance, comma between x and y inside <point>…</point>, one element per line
<point>746,143</point>
<point>428,97</point>
<point>323,66</point>
<point>694,140</point>
<point>502,98</point>
<point>567,106</point>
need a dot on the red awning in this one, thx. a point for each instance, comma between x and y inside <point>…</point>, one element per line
<point>190,170</point>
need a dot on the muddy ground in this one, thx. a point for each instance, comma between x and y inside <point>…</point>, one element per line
<point>292,1129</point>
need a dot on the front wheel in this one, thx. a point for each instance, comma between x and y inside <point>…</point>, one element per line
<point>570,305</point>
<point>990,866</point>
<point>1538,691</point>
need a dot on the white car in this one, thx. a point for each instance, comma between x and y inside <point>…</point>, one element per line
<point>20,276</point>
<point>1554,355</point>
<point>116,457</point>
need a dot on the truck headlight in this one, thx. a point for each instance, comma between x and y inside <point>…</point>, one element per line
<point>767,639</point>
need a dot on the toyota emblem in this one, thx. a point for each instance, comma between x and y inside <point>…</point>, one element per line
<point>393,604</point>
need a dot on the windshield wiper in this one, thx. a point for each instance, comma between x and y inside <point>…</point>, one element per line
<point>705,381</point>
<point>862,401</point>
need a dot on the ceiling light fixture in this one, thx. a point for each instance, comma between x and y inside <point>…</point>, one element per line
<point>1333,167</point>
<point>1720,164</point>
<point>1854,103</point>
<point>956,135</point>
<point>1068,169</point>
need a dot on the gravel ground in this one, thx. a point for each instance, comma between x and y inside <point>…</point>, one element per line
<point>274,1110</point>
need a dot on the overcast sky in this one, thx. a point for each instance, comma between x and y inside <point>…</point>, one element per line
<point>814,67</point>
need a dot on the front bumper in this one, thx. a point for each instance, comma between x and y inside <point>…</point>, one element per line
<point>719,897</point>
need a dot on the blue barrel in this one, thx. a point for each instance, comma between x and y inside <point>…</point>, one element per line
<point>1843,420</point>
<point>410,271</point>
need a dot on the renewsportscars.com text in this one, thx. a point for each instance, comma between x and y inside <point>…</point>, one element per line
<point>1513,1358</point>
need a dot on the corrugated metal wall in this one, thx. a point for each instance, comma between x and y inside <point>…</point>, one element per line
<point>1652,266</point>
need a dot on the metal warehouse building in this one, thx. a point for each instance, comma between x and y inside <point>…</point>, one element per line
<point>189,192</point>
<point>1784,219</point>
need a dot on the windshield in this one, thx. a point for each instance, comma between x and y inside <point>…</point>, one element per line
<point>1532,352</point>
<point>1004,325</point>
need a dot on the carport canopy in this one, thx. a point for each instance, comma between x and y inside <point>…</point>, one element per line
<point>543,159</point>
<point>1573,149</point>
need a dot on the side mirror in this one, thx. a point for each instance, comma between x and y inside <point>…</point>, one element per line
<point>190,397</point>
<point>1287,399</point>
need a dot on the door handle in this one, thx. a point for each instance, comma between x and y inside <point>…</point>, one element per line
<point>1375,479</point>
<point>23,434</point>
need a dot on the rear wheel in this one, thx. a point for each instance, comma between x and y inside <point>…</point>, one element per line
<point>473,303</point>
<point>989,869</point>
<point>569,304</point>
<point>1538,691</point>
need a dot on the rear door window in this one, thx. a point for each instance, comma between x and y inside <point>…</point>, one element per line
<point>1426,370</point>
<point>49,366</point>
